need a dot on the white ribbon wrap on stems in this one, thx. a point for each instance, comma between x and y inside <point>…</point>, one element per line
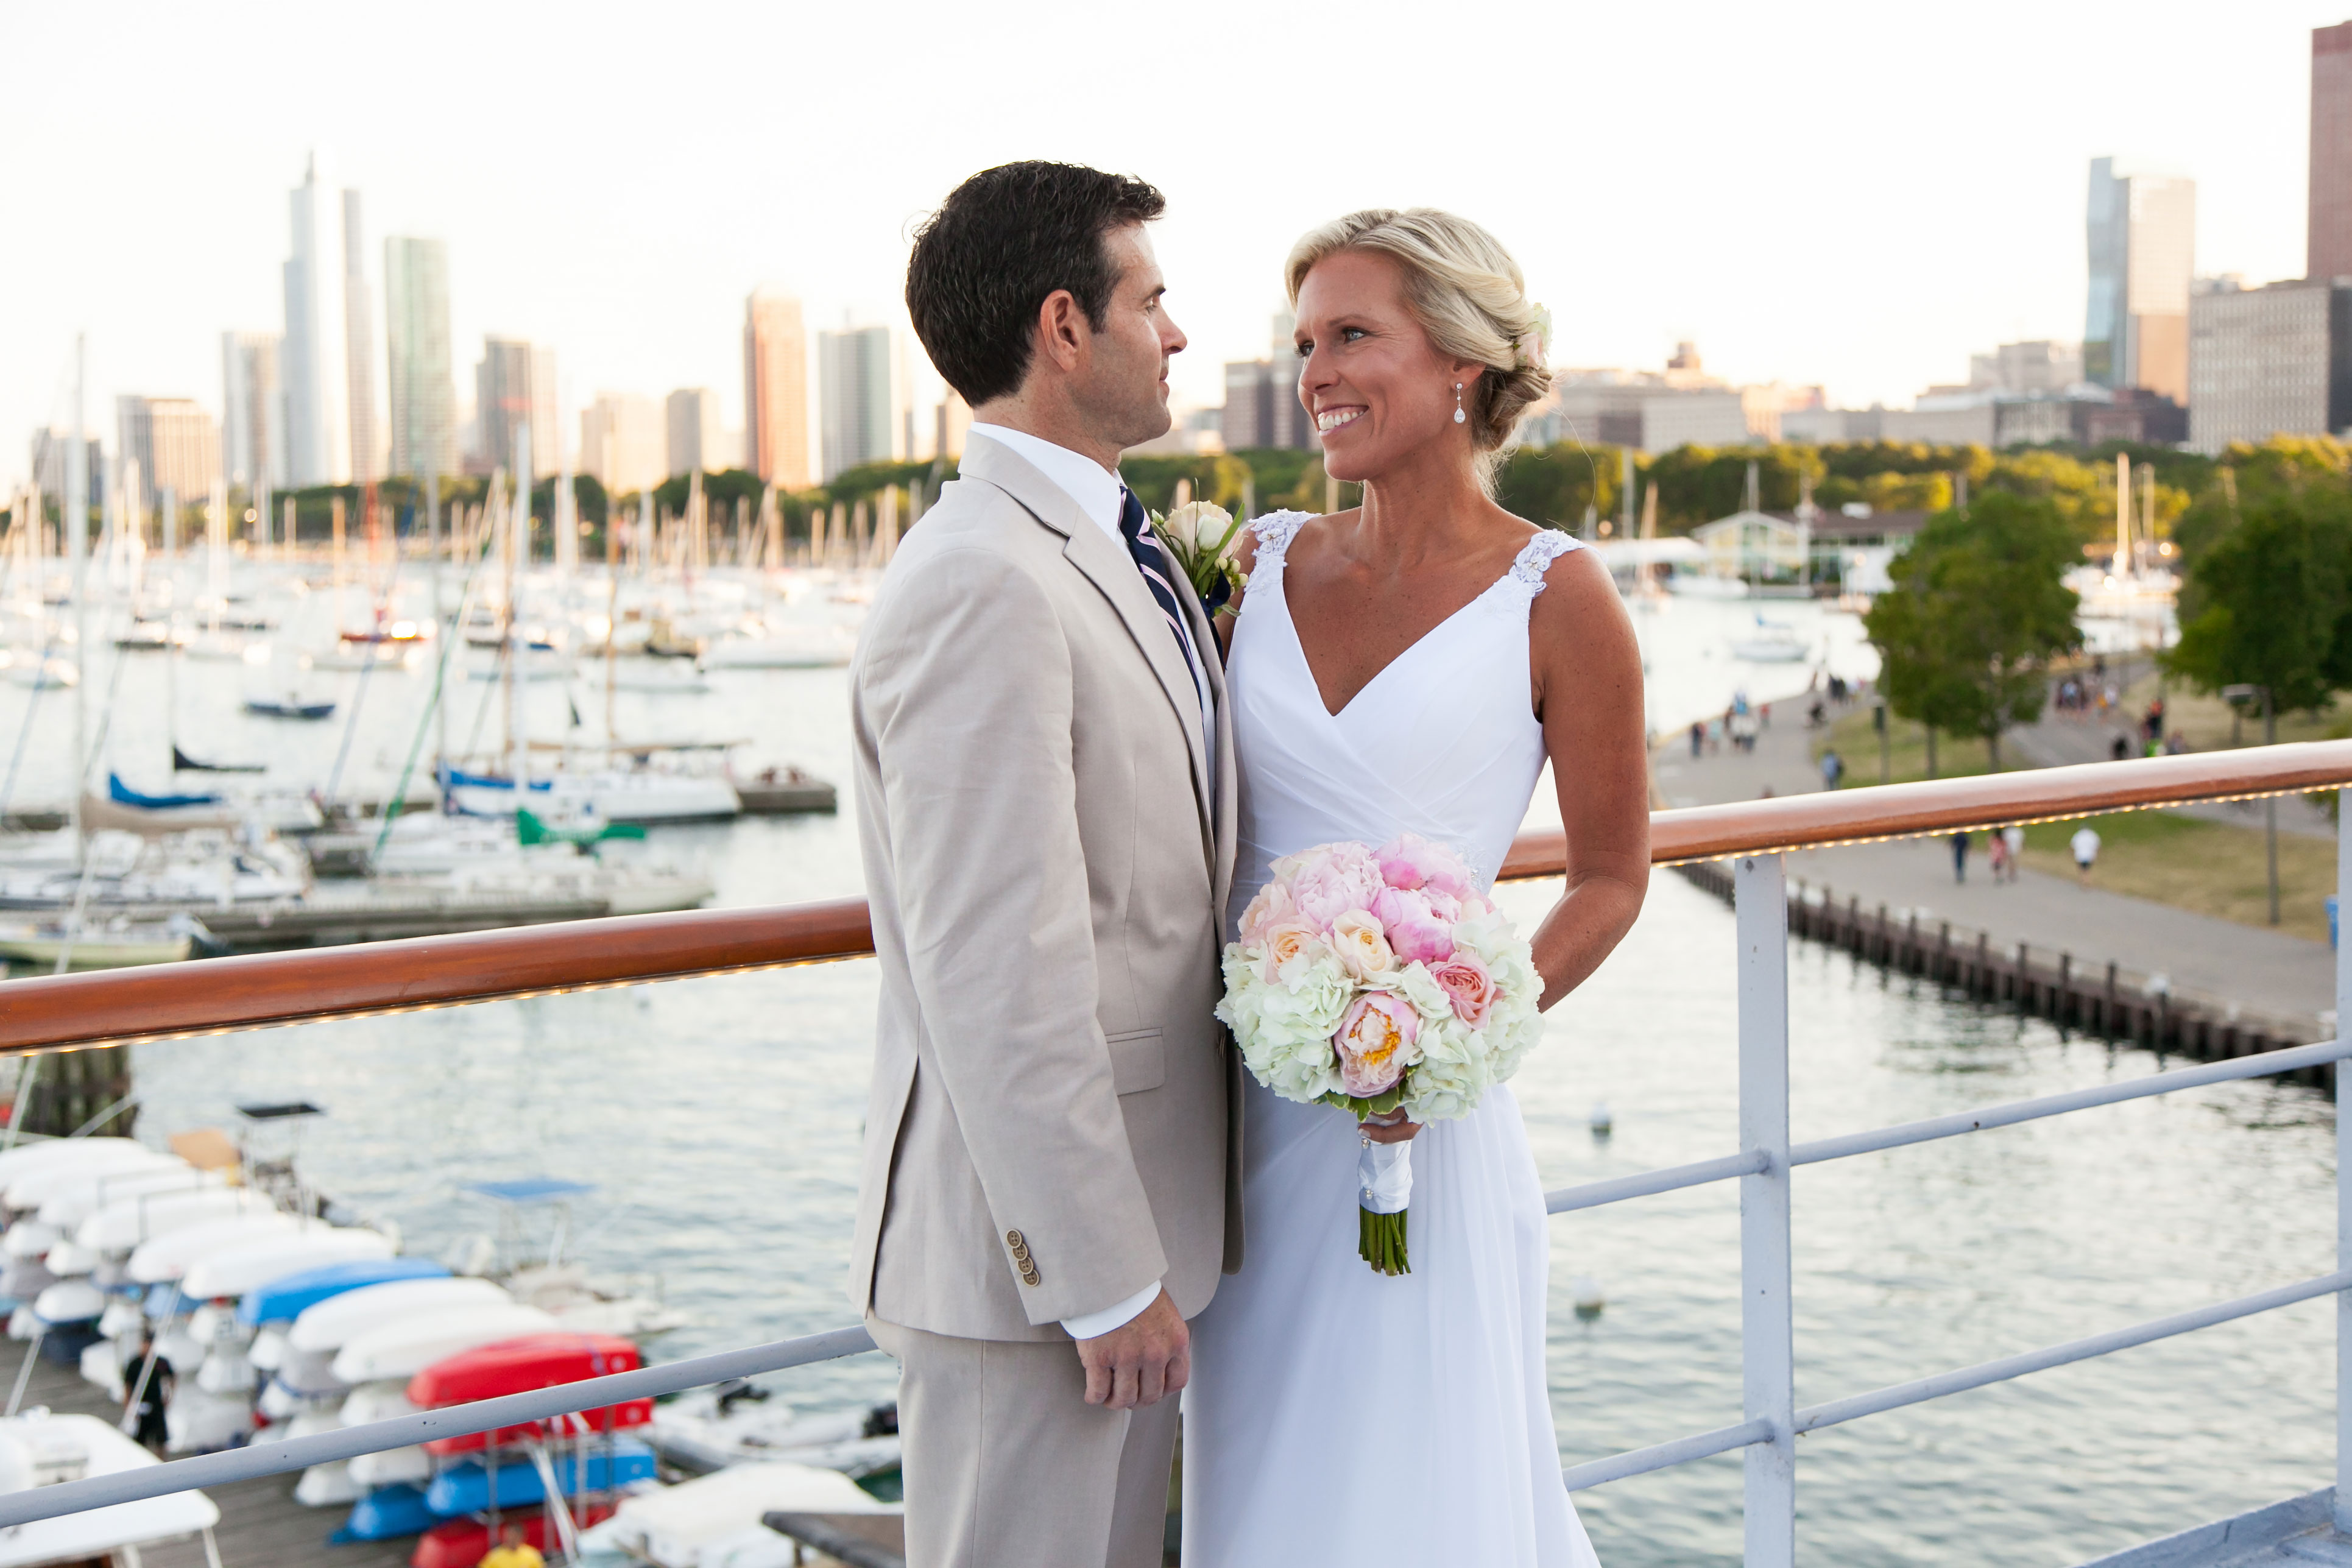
<point>1384,1177</point>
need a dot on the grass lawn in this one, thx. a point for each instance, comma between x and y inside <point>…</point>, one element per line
<point>2208,868</point>
<point>2205,720</point>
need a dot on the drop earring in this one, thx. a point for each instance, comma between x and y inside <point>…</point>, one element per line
<point>1459,418</point>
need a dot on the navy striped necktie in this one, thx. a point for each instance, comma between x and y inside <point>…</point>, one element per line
<point>1153,564</point>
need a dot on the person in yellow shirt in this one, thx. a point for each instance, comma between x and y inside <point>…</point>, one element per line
<point>513,1551</point>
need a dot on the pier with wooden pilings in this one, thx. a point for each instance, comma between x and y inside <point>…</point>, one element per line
<point>2100,998</point>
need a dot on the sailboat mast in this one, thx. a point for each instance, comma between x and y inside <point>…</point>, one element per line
<point>2123,514</point>
<point>517,638</point>
<point>433,557</point>
<point>77,564</point>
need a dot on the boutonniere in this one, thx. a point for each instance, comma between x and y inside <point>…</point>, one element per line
<point>1204,539</point>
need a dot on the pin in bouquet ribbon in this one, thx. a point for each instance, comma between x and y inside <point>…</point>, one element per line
<point>1375,981</point>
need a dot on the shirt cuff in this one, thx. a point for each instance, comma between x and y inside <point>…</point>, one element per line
<point>1094,1325</point>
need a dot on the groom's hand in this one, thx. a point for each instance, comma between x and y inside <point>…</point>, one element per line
<point>1141,1361</point>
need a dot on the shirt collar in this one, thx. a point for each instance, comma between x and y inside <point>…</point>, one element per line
<point>1095,487</point>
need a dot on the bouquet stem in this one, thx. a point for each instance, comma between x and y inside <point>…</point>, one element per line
<point>1380,1242</point>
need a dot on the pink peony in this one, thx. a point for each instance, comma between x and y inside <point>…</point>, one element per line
<point>1374,1041</point>
<point>1419,922</point>
<point>1330,879</point>
<point>1271,906</point>
<point>1467,985</point>
<point>1410,862</point>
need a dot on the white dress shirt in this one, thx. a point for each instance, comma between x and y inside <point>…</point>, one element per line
<point>1096,490</point>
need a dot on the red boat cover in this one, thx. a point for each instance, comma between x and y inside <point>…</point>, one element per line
<point>517,1366</point>
<point>611,1418</point>
<point>462,1543</point>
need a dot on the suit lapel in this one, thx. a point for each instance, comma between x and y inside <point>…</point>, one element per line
<point>1113,573</point>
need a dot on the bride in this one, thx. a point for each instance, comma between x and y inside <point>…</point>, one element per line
<point>1409,667</point>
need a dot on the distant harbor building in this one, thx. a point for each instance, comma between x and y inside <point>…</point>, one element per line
<point>316,359</point>
<point>1262,408</point>
<point>692,437</point>
<point>855,397</point>
<point>252,412</point>
<point>359,350</point>
<point>51,446</point>
<point>2142,232</point>
<point>623,442</point>
<point>775,389</point>
<point>174,443</point>
<point>1656,411</point>
<point>2036,367</point>
<point>2328,242</point>
<point>2269,362</point>
<point>514,383</point>
<point>417,359</point>
<point>951,422</point>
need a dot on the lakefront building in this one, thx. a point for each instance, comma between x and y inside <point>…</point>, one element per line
<point>315,361</point>
<point>855,397</point>
<point>515,385</point>
<point>775,389</point>
<point>2269,362</point>
<point>2328,237</point>
<point>2142,233</point>
<point>252,412</point>
<point>421,376</point>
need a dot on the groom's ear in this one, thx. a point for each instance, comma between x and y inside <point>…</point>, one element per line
<point>1063,334</point>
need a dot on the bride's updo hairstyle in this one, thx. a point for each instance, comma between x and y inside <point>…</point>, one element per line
<point>1469,296</point>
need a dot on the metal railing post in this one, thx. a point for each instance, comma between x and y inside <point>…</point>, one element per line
<point>2343,1509</point>
<point>1766,1348</point>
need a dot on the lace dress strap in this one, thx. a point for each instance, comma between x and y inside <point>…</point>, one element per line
<point>1526,578</point>
<point>1275,531</point>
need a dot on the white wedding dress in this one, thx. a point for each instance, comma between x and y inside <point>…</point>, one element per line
<point>1336,1417</point>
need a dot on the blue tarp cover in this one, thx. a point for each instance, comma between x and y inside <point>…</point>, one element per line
<point>530,1190</point>
<point>290,1295</point>
<point>123,795</point>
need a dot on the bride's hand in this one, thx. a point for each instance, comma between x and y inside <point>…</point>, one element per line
<point>1393,1128</point>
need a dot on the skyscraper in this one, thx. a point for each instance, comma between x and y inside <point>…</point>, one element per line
<point>416,354</point>
<point>252,411</point>
<point>2328,239</point>
<point>854,397</point>
<point>2268,362</point>
<point>694,438</point>
<point>173,441</point>
<point>622,442</point>
<point>515,383</point>
<point>316,359</point>
<point>359,331</point>
<point>775,389</point>
<point>2142,229</point>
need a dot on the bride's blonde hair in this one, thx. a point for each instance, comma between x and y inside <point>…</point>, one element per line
<point>1469,296</point>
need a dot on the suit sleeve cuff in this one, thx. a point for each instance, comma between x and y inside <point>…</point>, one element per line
<point>1094,1325</point>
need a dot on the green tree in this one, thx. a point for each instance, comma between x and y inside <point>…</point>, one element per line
<point>2268,603</point>
<point>1976,613</point>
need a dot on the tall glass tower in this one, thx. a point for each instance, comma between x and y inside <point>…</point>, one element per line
<point>2142,229</point>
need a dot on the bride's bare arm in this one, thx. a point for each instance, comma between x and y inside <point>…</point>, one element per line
<point>1247,556</point>
<point>1587,675</point>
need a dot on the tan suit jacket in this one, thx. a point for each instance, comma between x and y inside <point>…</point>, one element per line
<point>1053,1121</point>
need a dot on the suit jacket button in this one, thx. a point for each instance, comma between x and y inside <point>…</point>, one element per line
<point>1029,1277</point>
<point>1013,1239</point>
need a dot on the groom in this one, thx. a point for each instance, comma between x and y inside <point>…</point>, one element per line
<point>1045,801</point>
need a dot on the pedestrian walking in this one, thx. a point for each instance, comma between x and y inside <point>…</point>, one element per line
<point>1959,856</point>
<point>1997,855</point>
<point>1832,768</point>
<point>1698,737</point>
<point>2013,838</point>
<point>2085,845</point>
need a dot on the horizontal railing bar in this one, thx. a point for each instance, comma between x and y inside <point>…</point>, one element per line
<point>268,1458</point>
<point>1681,1452</point>
<point>268,990</point>
<point>1666,1179</point>
<point>2262,1064</point>
<point>1855,1406</point>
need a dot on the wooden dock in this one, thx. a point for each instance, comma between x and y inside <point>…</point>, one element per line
<point>2105,999</point>
<point>261,1525</point>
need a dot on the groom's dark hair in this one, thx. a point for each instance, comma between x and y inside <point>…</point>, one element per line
<point>1001,242</point>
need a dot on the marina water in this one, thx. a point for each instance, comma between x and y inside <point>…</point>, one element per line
<point>720,1121</point>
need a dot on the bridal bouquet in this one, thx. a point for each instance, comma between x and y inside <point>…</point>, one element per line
<point>1202,538</point>
<point>1375,979</point>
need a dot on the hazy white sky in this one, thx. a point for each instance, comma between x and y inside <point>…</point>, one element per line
<point>1857,195</point>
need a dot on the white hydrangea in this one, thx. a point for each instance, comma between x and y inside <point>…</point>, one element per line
<point>1284,1029</point>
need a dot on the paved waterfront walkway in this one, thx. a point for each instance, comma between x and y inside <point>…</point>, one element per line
<point>2260,969</point>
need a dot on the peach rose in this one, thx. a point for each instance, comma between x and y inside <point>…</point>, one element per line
<point>1291,946</point>
<point>1468,985</point>
<point>1271,906</point>
<point>1375,1043</point>
<point>1363,951</point>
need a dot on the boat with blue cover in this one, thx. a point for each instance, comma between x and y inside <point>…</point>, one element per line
<point>465,1487</point>
<point>285,1299</point>
<point>386,1513</point>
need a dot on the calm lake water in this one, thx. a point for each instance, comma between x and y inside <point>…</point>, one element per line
<point>720,1120</point>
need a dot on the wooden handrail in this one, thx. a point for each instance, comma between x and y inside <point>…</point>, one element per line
<point>175,1001</point>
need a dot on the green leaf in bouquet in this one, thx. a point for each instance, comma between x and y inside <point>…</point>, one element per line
<point>1378,1105</point>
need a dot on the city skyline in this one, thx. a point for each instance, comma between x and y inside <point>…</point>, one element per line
<point>1870,243</point>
